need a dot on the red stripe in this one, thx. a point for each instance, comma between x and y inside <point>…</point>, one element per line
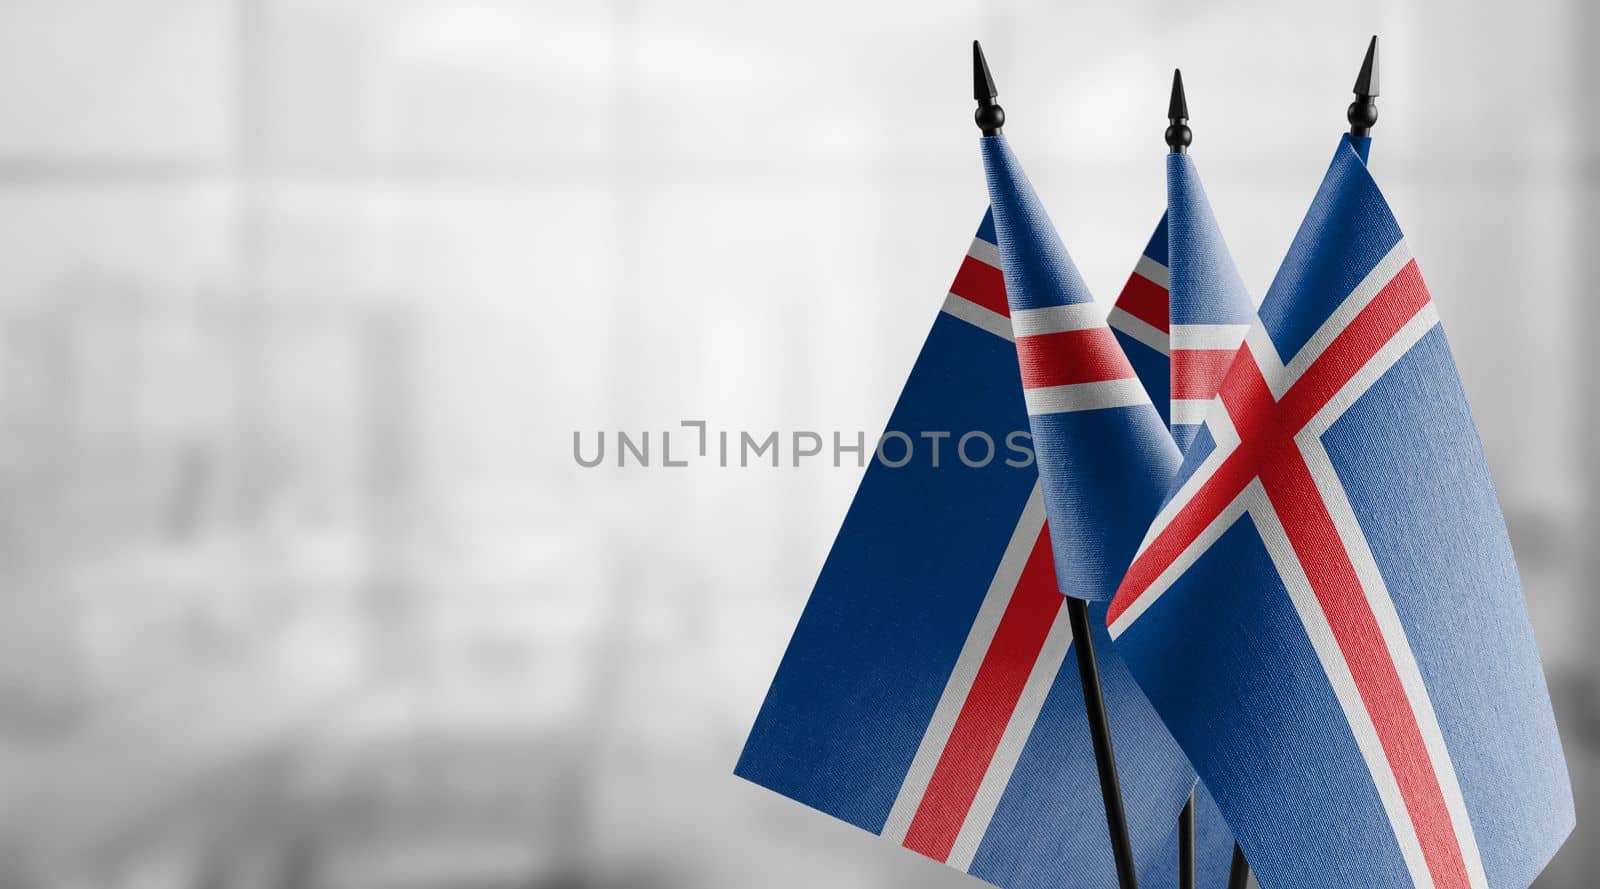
<point>1144,299</point>
<point>1256,418</point>
<point>996,688</point>
<point>1266,431</point>
<point>1244,393</point>
<point>1338,590</point>
<point>1073,356</point>
<point>983,284</point>
<point>1397,303</point>
<point>1197,373</point>
<point>1333,578</point>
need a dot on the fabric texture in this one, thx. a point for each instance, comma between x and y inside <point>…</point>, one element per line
<point>929,693</point>
<point>1181,318</point>
<point>1139,319</point>
<point>1210,308</point>
<point>1104,455</point>
<point>1326,611</point>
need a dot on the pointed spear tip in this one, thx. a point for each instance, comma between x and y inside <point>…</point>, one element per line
<point>1367,80</point>
<point>982,81</point>
<point>989,116</point>
<point>1363,112</point>
<point>1178,134</point>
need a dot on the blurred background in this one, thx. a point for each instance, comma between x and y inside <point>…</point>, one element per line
<point>302,301</point>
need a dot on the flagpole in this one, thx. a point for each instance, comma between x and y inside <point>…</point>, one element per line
<point>990,117</point>
<point>1105,757</point>
<point>1363,112</point>
<point>1239,871</point>
<point>1186,875</point>
<point>1178,137</point>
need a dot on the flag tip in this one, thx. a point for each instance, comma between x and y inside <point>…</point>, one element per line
<point>1363,111</point>
<point>989,116</point>
<point>1367,80</point>
<point>1178,134</point>
<point>982,81</point>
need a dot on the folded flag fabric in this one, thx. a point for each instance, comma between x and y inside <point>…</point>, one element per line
<point>1210,308</point>
<point>1209,311</point>
<point>1185,290</point>
<point>1326,612</point>
<point>1105,458</point>
<point>1180,318</point>
<point>1139,319</point>
<point>929,693</point>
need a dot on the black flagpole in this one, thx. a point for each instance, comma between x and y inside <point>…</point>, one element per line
<point>1363,112</point>
<point>990,117</point>
<point>1239,871</point>
<point>1178,137</point>
<point>1105,758</point>
<point>1186,878</point>
<point>1178,134</point>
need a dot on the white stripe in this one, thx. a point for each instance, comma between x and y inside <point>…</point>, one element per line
<point>1337,669</point>
<point>1139,329</point>
<point>1377,592</point>
<point>1208,336</point>
<point>1153,271</point>
<point>959,685</point>
<point>1018,729</point>
<point>1056,319</point>
<point>1360,297</point>
<point>1226,439</point>
<point>1223,432</point>
<point>1379,364</point>
<point>1189,411</point>
<point>1267,359</point>
<point>985,252</point>
<point>1185,559</point>
<point>1085,396</point>
<point>978,316</point>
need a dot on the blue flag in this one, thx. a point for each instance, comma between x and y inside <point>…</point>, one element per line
<point>1326,611</point>
<point>1105,457</point>
<point>929,694</point>
<point>1210,308</point>
<point>1180,318</point>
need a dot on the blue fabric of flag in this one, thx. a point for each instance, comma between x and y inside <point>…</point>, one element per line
<point>1279,656</point>
<point>865,684</point>
<point>1104,470</point>
<point>1205,292</point>
<point>1206,287</point>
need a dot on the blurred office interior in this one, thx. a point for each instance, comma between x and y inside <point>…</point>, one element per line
<point>301,302</point>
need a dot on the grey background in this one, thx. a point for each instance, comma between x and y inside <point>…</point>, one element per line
<point>302,300</point>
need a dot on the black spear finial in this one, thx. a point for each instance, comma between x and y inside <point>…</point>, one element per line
<point>1363,111</point>
<point>1178,133</point>
<point>990,117</point>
